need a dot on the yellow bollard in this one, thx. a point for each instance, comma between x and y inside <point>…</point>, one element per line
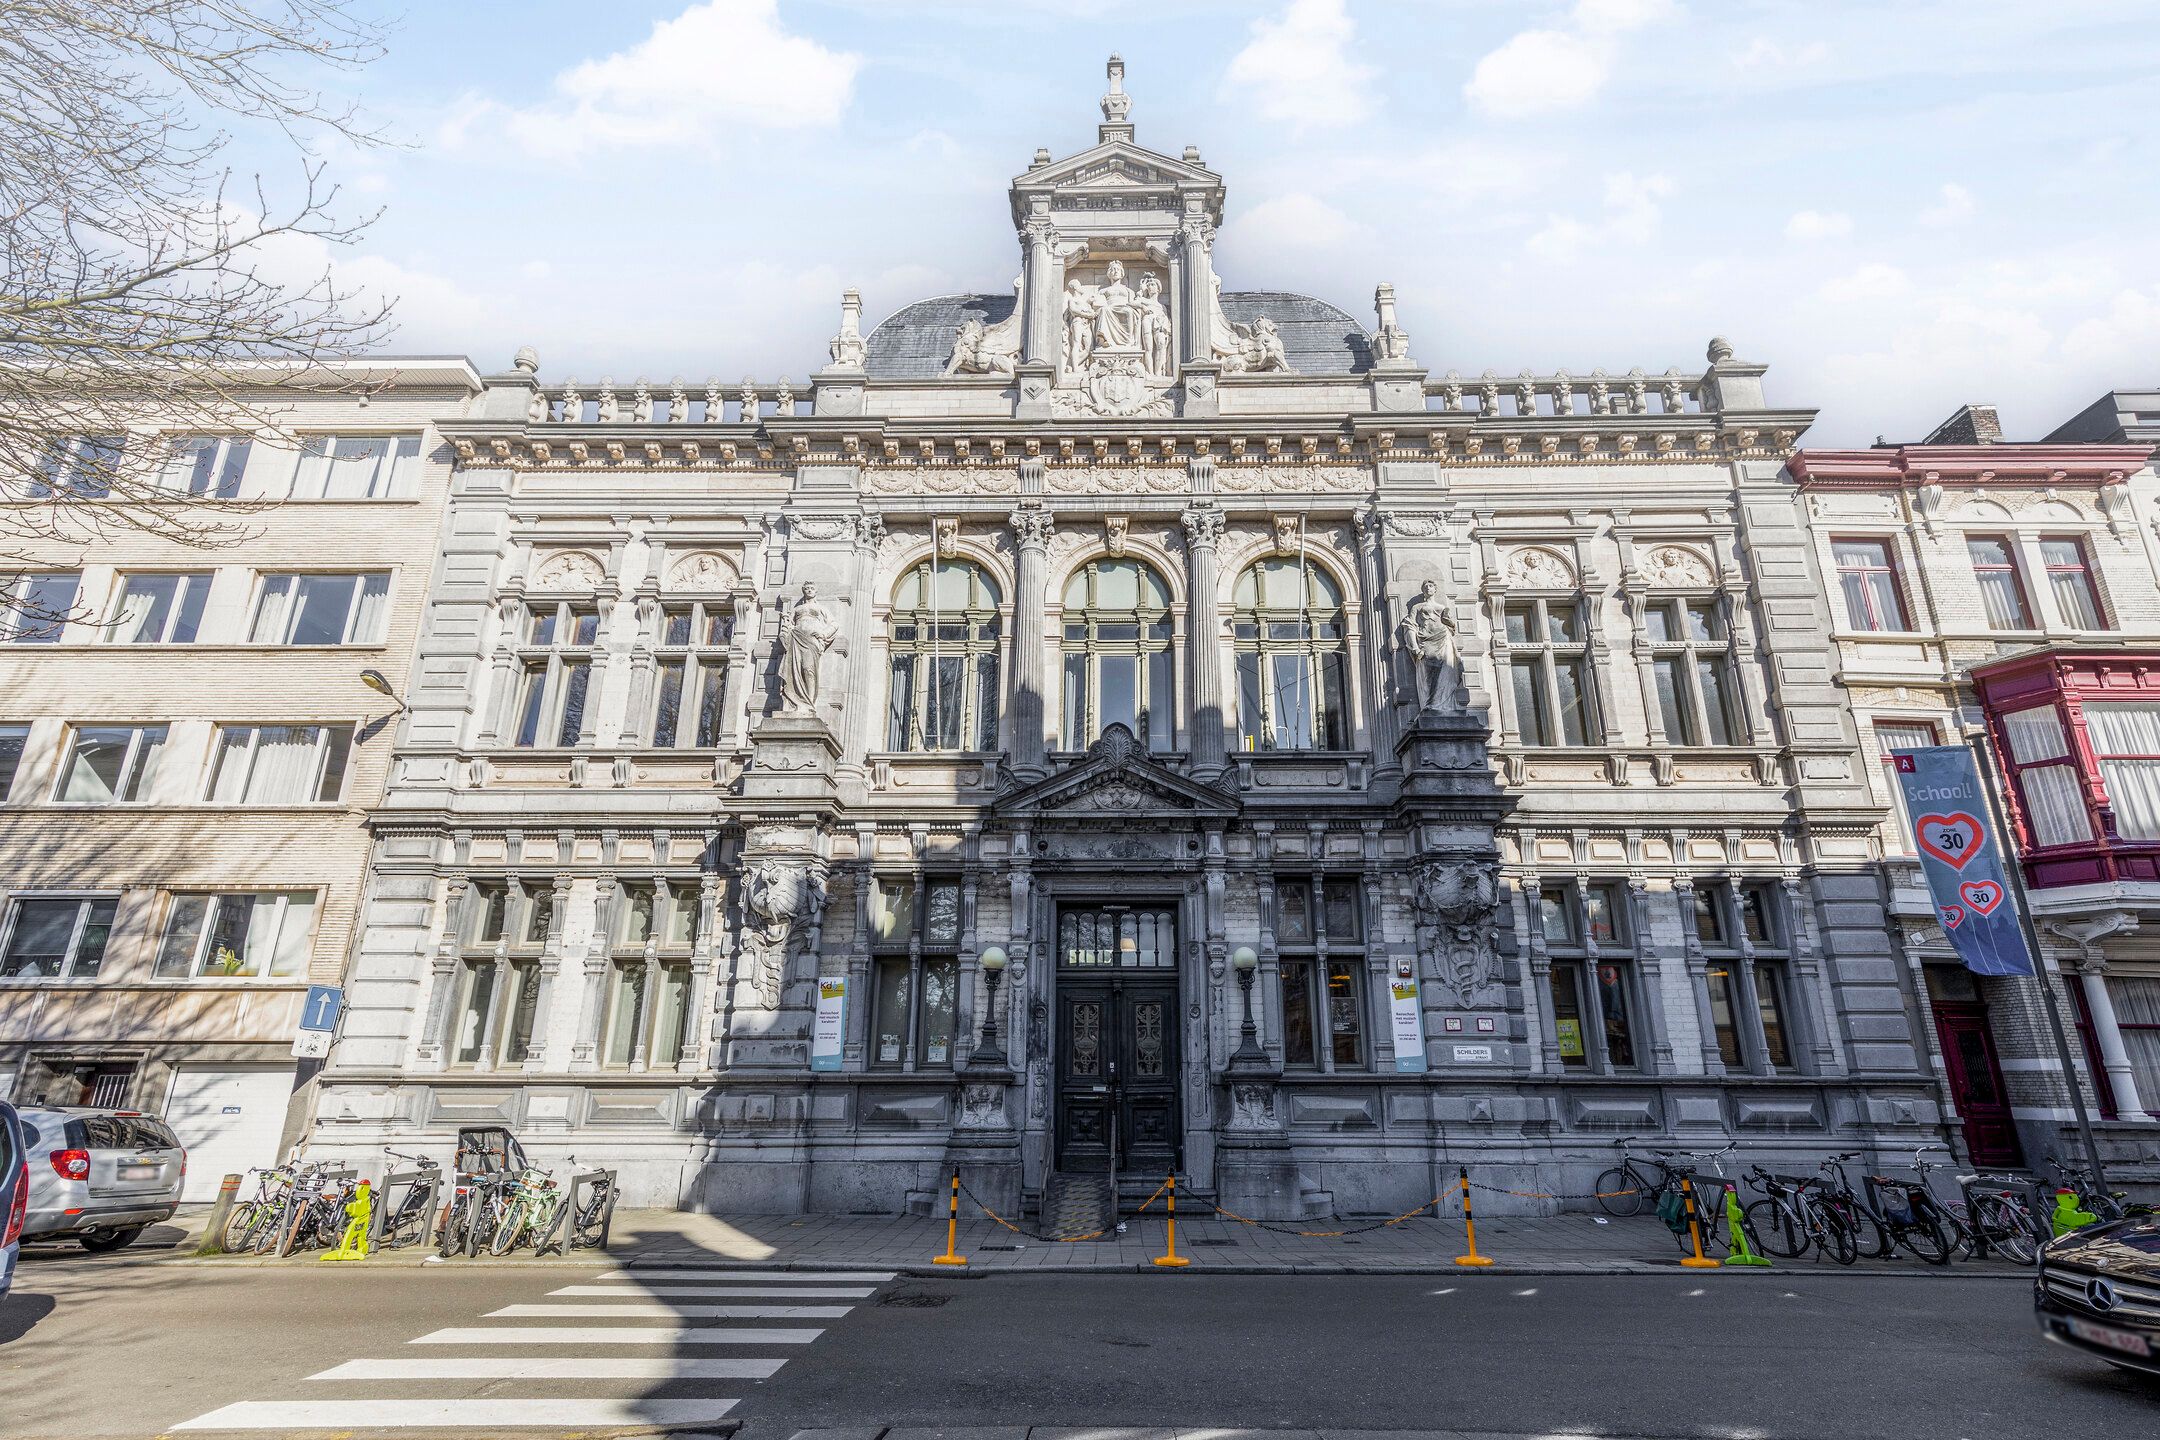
<point>952,1255</point>
<point>1469,1226</point>
<point>1170,1258</point>
<point>1697,1261</point>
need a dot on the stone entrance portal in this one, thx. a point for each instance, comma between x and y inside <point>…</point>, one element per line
<point>1117,1038</point>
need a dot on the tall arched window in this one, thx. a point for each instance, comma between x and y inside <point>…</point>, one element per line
<point>944,644</point>
<point>1288,634</point>
<point>1118,662</point>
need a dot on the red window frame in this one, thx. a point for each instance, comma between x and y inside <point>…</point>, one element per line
<point>2009,566</point>
<point>2082,569</point>
<point>1871,621</point>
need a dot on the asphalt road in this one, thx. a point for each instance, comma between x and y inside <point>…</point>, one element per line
<point>90,1348</point>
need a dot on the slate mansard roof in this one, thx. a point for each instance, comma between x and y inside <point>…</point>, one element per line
<point>1318,339</point>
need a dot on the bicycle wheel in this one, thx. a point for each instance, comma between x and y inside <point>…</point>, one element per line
<point>1619,1193</point>
<point>233,1239</point>
<point>451,1238</point>
<point>1873,1237</point>
<point>509,1231</point>
<point>1837,1229</point>
<point>1775,1230</point>
<point>2008,1231</point>
<point>295,1229</point>
<point>1925,1237</point>
<point>479,1228</point>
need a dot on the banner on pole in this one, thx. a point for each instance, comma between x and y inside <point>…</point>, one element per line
<point>829,1032</point>
<point>1962,858</point>
<point>1409,1030</point>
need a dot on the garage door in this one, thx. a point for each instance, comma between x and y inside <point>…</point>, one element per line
<point>230,1121</point>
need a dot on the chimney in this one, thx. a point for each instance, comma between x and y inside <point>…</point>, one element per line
<point>1971,425</point>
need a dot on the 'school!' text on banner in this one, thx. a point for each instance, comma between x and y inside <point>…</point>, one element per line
<point>1962,858</point>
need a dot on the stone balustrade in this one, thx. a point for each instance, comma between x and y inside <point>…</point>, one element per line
<point>674,402</point>
<point>1489,396</point>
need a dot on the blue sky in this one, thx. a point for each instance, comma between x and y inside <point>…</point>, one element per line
<point>1898,206</point>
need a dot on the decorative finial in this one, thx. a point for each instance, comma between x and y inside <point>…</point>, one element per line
<point>527,359</point>
<point>1117,105</point>
<point>847,347</point>
<point>1720,350</point>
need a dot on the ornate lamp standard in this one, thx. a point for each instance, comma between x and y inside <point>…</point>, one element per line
<point>989,1051</point>
<point>1249,1055</point>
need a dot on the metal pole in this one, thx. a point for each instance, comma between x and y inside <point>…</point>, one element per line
<point>1984,752</point>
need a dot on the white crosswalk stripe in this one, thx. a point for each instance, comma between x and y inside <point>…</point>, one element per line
<point>649,1350</point>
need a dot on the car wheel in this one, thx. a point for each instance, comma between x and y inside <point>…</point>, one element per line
<point>98,1242</point>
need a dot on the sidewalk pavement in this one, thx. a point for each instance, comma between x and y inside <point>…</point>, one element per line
<point>1566,1244</point>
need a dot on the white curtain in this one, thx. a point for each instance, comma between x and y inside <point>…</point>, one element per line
<point>2127,739</point>
<point>295,933</point>
<point>284,768</point>
<point>228,779</point>
<point>2054,805</point>
<point>135,607</point>
<point>367,622</point>
<point>2035,734</point>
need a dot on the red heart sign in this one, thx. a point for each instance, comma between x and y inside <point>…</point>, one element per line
<point>1953,916</point>
<point>1952,839</point>
<point>1982,895</point>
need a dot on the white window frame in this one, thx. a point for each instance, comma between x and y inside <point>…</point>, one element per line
<point>189,582</point>
<point>281,912</point>
<point>289,609</point>
<point>1719,650</point>
<point>83,899</point>
<point>15,628</point>
<point>1548,656</point>
<point>181,456</point>
<point>253,729</point>
<point>392,477</point>
<point>137,771</point>
<point>61,468</point>
<point>9,780</point>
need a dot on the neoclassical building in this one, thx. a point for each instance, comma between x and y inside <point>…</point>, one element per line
<point>1121,722</point>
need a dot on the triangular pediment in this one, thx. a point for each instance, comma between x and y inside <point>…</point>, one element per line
<point>1118,779</point>
<point>1116,168</point>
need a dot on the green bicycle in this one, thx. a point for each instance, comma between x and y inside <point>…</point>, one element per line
<point>527,1210</point>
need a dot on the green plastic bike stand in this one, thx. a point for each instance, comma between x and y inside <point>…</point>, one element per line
<point>2067,1215</point>
<point>1742,1254</point>
<point>353,1246</point>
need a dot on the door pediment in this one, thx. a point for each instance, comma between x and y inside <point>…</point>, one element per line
<point>1118,778</point>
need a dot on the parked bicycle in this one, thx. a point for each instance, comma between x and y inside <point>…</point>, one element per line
<point>251,1226</point>
<point>1887,1213</point>
<point>1707,1184</point>
<point>529,1204</point>
<point>315,1209</point>
<point>1999,1217</point>
<point>588,1221</point>
<point>407,1222</point>
<point>2100,1204</point>
<point>1631,1186</point>
<point>1793,1218</point>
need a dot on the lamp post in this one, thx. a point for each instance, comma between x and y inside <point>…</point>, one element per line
<point>989,1052</point>
<point>1249,1053</point>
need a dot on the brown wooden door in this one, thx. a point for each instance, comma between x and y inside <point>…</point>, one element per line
<point>1976,1084</point>
<point>1117,1074</point>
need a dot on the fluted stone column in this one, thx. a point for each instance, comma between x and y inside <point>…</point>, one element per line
<point>1203,649</point>
<point>1032,527</point>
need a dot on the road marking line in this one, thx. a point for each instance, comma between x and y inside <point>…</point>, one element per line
<point>1531,1291</point>
<point>615,1335</point>
<point>1449,1291</point>
<point>807,1277</point>
<point>462,1414</point>
<point>553,1367</point>
<point>669,1312</point>
<point>807,1292</point>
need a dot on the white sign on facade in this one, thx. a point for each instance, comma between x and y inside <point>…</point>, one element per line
<point>1473,1054</point>
<point>829,1033</point>
<point>1409,1034</point>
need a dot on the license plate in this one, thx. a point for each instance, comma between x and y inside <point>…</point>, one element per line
<point>138,1172</point>
<point>2110,1337</point>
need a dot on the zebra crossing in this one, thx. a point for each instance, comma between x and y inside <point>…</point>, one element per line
<point>572,1361</point>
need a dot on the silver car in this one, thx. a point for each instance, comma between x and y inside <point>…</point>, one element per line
<point>99,1176</point>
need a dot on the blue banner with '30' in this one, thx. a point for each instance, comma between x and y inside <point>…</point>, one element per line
<point>1962,857</point>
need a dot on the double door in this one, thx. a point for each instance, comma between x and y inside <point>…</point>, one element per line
<point>1117,1073</point>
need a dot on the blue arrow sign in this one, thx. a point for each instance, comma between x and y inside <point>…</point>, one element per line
<point>321,1010</point>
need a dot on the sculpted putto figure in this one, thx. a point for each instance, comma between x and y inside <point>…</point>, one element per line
<point>1428,637</point>
<point>811,631</point>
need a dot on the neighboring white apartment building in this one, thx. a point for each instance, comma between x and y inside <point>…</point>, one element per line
<point>188,755</point>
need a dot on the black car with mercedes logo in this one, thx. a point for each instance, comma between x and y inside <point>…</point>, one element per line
<point>2098,1291</point>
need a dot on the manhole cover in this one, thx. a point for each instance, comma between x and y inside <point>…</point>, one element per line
<point>908,1300</point>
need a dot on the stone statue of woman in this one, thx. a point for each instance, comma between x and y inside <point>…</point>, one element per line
<point>810,632</point>
<point>1428,637</point>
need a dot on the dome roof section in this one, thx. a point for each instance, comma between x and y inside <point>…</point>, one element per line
<point>1318,339</point>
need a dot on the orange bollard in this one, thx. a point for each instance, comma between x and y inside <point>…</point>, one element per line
<point>1697,1261</point>
<point>1469,1226</point>
<point>952,1255</point>
<point>1170,1258</point>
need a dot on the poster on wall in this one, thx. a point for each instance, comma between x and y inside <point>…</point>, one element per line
<point>1962,858</point>
<point>1409,1034</point>
<point>829,1033</point>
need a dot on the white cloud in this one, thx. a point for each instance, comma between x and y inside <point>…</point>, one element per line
<point>1633,211</point>
<point>1875,281</point>
<point>1298,68</point>
<point>1954,206</point>
<point>1297,221</point>
<point>1540,72</point>
<point>717,65</point>
<point>1763,53</point>
<point>1818,225</point>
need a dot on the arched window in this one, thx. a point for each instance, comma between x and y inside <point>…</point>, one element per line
<point>1118,663</point>
<point>1288,634</point>
<point>944,692</point>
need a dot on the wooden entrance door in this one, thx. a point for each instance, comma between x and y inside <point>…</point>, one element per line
<point>1117,1029</point>
<point>1976,1084</point>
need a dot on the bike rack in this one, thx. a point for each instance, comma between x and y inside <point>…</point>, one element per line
<point>432,1179</point>
<point>343,1175</point>
<point>2039,1205</point>
<point>559,1237</point>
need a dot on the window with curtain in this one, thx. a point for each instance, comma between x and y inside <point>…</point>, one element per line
<point>1892,736</point>
<point>556,646</point>
<point>942,642</point>
<point>2002,589</point>
<point>915,959</point>
<point>1119,666</point>
<point>279,764</point>
<point>356,467</point>
<point>1549,672</point>
<point>690,674</point>
<point>2126,742</point>
<point>1287,636</point>
<point>649,996</point>
<point>13,740</point>
<point>79,467</point>
<point>2070,581</point>
<point>2137,1013</point>
<point>1867,578</point>
<point>1745,956</point>
<point>56,937</point>
<point>211,466</point>
<point>110,764</point>
<point>1320,939</point>
<point>35,609</point>
<point>1691,665</point>
<point>343,609</point>
<point>159,609</point>
<point>1593,995</point>
<point>2045,776</point>
<point>241,934</point>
